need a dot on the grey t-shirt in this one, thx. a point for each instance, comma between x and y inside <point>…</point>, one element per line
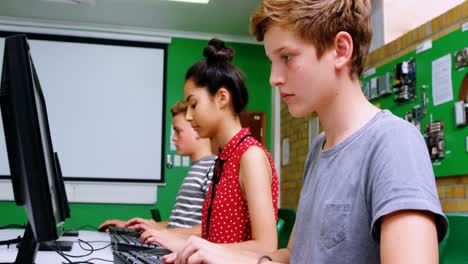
<point>382,168</point>
<point>187,211</point>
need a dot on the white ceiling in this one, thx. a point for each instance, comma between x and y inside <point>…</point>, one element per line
<point>227,19</point>
<point>218,18</point>
<point>401,16</point>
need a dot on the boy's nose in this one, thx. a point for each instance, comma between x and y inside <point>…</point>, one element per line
<point>276,78</point>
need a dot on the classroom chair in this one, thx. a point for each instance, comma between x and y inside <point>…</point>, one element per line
<point>284,226</point>
<point>454,248</point>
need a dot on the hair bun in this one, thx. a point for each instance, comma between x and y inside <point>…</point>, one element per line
<point>217,52</point>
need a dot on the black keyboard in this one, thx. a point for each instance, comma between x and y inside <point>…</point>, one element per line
<point>114,230</point>
<point>130,243</point>
<point>140,257</point>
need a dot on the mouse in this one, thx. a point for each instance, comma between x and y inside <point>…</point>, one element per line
<point>104,228</point>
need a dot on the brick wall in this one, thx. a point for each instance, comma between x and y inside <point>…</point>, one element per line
<point>453,191</point>
<point>297,131</point>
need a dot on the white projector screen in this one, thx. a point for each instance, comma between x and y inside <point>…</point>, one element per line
<point>105,102</point>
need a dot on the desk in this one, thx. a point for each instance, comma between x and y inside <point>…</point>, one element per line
<point>51,257</point>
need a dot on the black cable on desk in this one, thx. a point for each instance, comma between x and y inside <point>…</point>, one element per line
<point>91,250</point>
<point>63,256</point>
<point>76,256</point>
<point>88,261</point>
<point>89,244</point>
<point>106,260</point>
<point>8,242</point>
<point>16,240</point>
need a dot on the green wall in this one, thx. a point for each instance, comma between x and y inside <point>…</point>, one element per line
<point>182,53</point>
<point>456,159</point>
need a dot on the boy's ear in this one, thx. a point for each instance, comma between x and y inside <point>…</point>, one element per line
<point>343,46</point>
<point>222,97</point>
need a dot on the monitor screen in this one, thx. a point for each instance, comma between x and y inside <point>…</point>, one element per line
<point>29,147</point>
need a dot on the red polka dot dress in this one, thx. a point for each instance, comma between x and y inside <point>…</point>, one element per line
<point>230,220</point>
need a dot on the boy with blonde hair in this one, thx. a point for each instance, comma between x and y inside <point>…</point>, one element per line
<point>369,193</point>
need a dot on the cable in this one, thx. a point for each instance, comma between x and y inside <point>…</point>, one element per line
<point>17,240</point>
<point>106,260</point>
<point>77,256</point>
<point>98,241</point>
<point>65,257</point>
<point>89,261</point>
<point>85,227</point>
<point>89,244</point>
<point>55,248</point>
<point>11,241</point>
<point>90,250</point>
<point>13,226</point>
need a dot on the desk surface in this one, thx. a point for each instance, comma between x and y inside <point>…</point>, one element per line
<point>96,239</point>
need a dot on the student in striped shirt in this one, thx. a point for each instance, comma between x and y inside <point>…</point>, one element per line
<point>187,212</point>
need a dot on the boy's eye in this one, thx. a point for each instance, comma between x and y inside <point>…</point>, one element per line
<point>287,57</point>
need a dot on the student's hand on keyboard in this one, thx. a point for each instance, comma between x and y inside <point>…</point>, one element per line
<point>164,237</point>
<point>141,224</point>
<point>198,250</point>
<point>113,222</point>
<point>170,258</point>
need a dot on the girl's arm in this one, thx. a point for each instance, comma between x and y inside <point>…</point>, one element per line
<point>255,178</point>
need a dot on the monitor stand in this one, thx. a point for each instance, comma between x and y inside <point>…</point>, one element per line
<point>56,246</point>
<point>27,248</point>
<point>71,233</point>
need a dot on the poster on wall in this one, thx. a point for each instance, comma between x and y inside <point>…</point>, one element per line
<point>442,80</point>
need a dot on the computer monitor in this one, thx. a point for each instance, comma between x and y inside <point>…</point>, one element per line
<point>64,207</point>
<point>64,211</point>
<point>29,147</point>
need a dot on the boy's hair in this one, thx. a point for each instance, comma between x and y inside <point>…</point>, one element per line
<point>216,71</point>
<point>318,21</point>
<point>179,107</point>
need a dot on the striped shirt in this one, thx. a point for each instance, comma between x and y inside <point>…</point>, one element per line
<point>187,211</point>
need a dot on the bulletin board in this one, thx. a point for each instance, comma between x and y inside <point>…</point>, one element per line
<point>436,107</point>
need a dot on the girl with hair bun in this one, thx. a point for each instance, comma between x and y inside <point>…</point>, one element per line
<point>241,206</point>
